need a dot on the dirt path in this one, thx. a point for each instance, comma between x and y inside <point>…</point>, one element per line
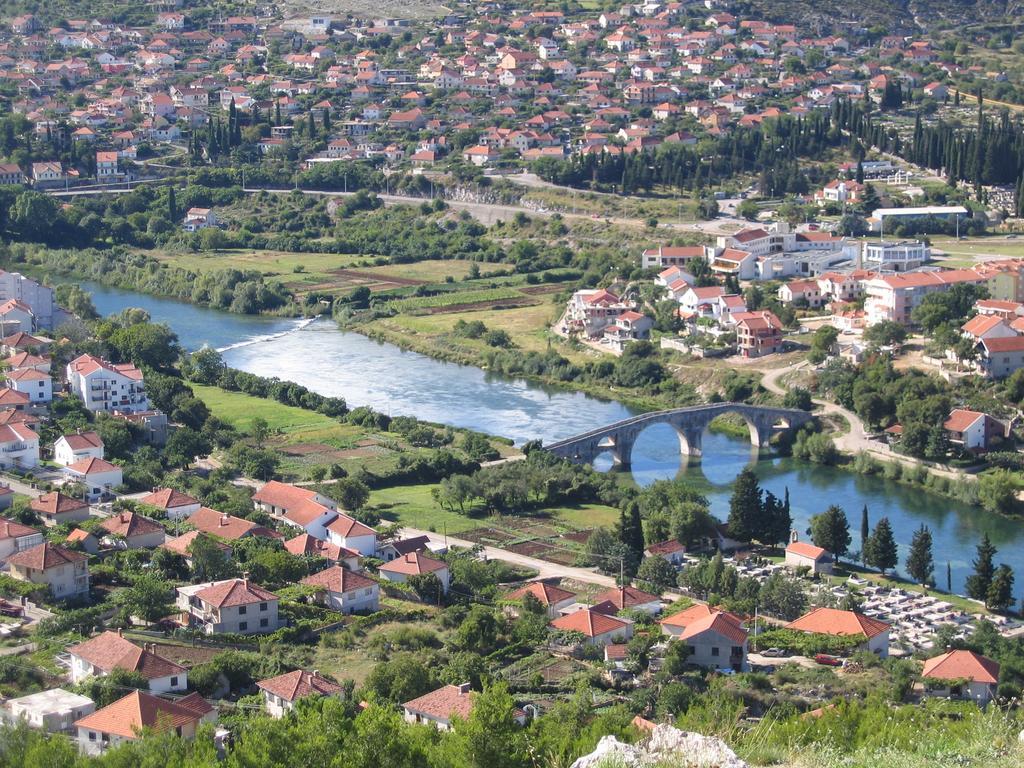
<point>545,569</point>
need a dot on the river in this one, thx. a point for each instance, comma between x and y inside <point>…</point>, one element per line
<point>365,372</point>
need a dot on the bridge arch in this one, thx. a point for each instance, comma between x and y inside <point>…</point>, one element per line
<point>689,424</point>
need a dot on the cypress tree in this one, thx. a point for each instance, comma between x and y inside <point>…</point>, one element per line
<point>745,506</point>
<point>1000,592</point>
<point>979,582</point>
<point>172,205</point>
<point>865,531</point>
<point>949,577</point>
<point>881,548</point>
<point>920,565</point>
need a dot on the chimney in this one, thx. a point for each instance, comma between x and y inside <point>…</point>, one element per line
<point>120,632</point>
<point>245,579</point>
<point>223,519</point>
<point>464,688</point>
<point>793,536</point>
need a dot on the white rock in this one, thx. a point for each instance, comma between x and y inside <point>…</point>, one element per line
<point>667,745</point>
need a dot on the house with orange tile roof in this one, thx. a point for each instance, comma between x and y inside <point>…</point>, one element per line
<point>344,590</point>
<point>66,573</point>
<point>838,623</point>
<point>349,533</point>
<point>175,504</point>
<point>972,430</point>
<point>99,477</point>
<point>15,537</point>
<point>961,674</point>
<point>439,708</point>
<point>136,531</point>
<point>553,598</point>
<point>232,605</point>
<point>414,564</point>
<point>19,446</point>
<point>99,656</point>
<point>280,693</point>
<point>301,507</point>
<point>105,386</point>
<point>626,598</point>
<point>672,550</point>
<point>182,545</point>
<point>127,718</point>
<point>305,545</point>
<point>67,449</point>
<point>221,525</point>
<point>597,628</point>
<point>803,554</point>
<point>56,508</point>
<point>716,640</point>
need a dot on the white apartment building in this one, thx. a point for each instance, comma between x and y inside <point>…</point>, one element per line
<point>35,295</point>
<point>104,386</point>
<point>895,256</point>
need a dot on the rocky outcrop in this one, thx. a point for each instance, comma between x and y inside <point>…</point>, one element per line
<point>667,746</point>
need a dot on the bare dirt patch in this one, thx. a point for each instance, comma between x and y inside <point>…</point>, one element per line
<point>474,305</point>
<point>489,536</point>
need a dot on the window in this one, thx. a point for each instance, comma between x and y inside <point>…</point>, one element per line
<point>92,735</point>
<point>368,591</point>
<point>241,610</point>
<point>174,682</point>
<point>264,622</point>
<point>263,606</point>
<point>242,626</point>
<point>714,650</point>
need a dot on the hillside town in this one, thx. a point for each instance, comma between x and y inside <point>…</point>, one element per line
<point>335,346</point>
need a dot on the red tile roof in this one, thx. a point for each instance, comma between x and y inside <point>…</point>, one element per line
<point>348,527</point>
<point>669,547</point>
<point>92,466</point>
<point>283,495</point>
<point>168,498</point>
<point>689,615</point>
<point>719,622</point>
<point>625,597</point>
<point>832,621</point>
<point>182,544</point>
<point>292,686</point>
<point>110,651</point>
<point>55,503</point>
<point>547,594</point>
<point>234,592</point>
<point>138,710</point>
<point>83,440</point>
<point>338,579</point>
<point>219,524</point>
<point>9,529</point>
<point>44,556</point>
<point>961,419</point>
<point>444,703</point>
<point>805,549</point>
<point>962,665</point>
<point>414,563</point>
<point>129,524</point>
<point>589,622</point>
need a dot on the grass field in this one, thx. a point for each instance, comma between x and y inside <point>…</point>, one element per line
<point>528,327</point>
<point>983,247</point>
<point>239,410</point>
<point>412,505</point>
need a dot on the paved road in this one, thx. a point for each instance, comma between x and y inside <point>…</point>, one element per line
<point>545,569</point>
<point>850,442</point>
<point>855,440</point>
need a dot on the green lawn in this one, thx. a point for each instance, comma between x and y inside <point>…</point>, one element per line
<point>239,410</point>
<point>413,505</point>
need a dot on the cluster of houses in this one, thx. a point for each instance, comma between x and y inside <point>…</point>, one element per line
<point>578,87</point>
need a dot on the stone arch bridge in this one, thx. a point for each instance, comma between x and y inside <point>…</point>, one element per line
<point>689,423</point>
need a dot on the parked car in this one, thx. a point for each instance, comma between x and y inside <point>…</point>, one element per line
<point>775,653</point>
<point>828,661</point>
